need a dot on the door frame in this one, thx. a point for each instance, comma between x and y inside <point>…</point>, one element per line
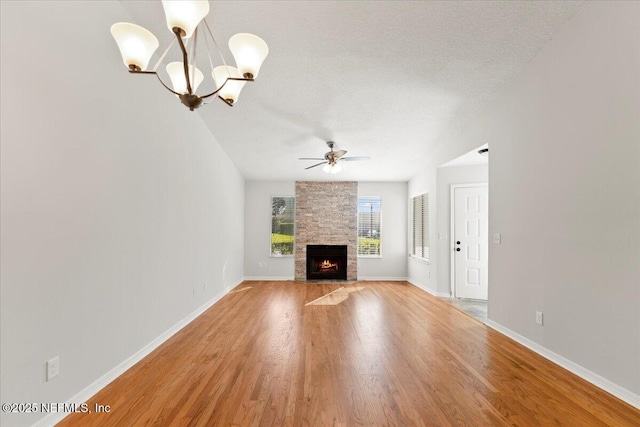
<point>452,226</point>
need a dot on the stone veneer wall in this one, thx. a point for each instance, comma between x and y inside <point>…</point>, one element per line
<point>326,214</point>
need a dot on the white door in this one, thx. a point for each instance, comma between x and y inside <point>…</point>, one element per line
<point>470,241</point>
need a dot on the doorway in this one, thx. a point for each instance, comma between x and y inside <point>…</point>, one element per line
<point>469,241</point>
<point>466,178</point>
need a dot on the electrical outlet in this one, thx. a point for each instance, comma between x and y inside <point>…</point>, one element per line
<point>53,368</point>
<point>539,317</point>
<point>497,238</point>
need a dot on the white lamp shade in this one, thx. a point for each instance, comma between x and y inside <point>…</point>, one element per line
<point>231,90</point>
<point>249,52</point>
<point>179,82</point>
<point>185,14</point>
<point>136,44</point>
<point>332,169</point>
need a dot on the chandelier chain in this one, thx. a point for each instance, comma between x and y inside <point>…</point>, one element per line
<point>206,24</point>
<point>155,68</point>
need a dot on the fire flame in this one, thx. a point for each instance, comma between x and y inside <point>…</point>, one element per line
<point>328,265</point>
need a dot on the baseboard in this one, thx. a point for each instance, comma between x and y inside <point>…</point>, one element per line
<point>595,379</point>
<point>280,278</point>
<point>84,395</point>
<point>382,279</point>
<point>227,290</point>
<point>428,290</point>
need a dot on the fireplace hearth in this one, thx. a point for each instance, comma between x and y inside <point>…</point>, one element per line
<point>326,262</point>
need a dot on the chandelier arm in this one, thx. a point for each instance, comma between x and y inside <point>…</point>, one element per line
<point>230,104</point>
<point>185,59</point>
<point>193,55</point>
<point>214,92</point>
<point>142,72</point>
<point>158,76</point>
<point>166,87</point>
<point>225,82</point>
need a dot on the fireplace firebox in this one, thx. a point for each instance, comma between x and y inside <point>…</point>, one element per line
<point>326,262</point>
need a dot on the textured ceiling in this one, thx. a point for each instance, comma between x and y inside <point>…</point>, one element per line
<point>382,79</point>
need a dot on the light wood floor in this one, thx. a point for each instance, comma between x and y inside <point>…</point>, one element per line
<point>389,354</point>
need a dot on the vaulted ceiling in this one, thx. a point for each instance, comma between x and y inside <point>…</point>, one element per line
<point>381,79</point>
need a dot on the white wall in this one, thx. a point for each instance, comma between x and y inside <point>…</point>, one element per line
<point>257,235</point>
<point>393,263</point>
<point>117,203</point>
<point>446,176</point>
<point>565,195</point>
<point>564,173</point>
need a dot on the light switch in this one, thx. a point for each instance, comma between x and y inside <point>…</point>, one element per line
<point>497,238</point>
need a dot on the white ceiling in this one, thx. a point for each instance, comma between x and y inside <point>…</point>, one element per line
<point>470,158</point>
<point>382,79</point>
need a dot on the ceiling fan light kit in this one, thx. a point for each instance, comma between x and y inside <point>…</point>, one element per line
<point>335,168</point>
<point>332,158</point>
<point>186,20</point>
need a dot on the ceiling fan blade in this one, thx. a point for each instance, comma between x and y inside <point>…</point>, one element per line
<point>339,153</point>
<point>353,159</point>
<point>321,163</point>
<point>310,158</point>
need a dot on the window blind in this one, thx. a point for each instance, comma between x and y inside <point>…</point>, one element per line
<point>420,223</point>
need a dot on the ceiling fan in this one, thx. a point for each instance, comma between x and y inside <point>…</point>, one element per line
<point>331,159</point>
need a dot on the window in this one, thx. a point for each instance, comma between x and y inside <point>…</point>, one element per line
<point>282,213</point>
<point>369,226</point>
<point>420,226</point>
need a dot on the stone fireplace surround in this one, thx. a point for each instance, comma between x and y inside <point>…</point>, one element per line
<point>326,214</point>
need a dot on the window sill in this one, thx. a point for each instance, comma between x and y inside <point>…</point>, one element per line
<point>370,256</point>
<point>280,256</point>
<point>419,259</point>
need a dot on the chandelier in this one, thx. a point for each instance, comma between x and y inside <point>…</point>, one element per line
<point>185,19</point>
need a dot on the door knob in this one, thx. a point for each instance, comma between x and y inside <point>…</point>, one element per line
<point>458,242</point>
